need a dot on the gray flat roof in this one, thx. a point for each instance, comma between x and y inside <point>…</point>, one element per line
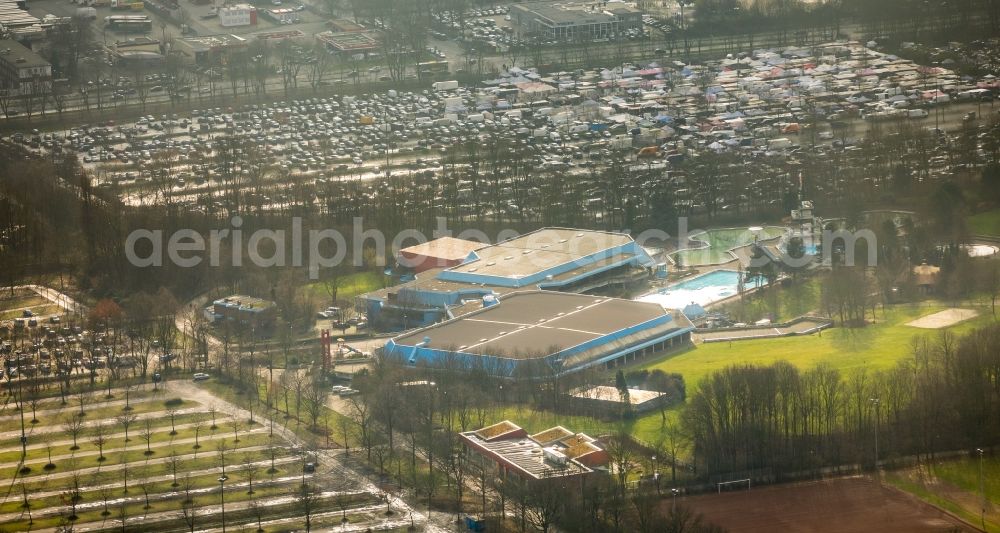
<point>18,50</point>
<point>573,12</point>
<point>533,324</point>
<point>540,250</point>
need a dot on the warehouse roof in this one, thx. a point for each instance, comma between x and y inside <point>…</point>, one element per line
<point>538,251</point>
<point>447,248</point>
<point>534,324</point>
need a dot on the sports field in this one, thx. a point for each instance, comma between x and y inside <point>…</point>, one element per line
<point>844,505</point>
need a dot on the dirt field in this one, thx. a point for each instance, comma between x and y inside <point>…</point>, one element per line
<point>943,319</point>
<point>848,505</point>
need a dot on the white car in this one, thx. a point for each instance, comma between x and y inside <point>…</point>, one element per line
<point>200,376</point>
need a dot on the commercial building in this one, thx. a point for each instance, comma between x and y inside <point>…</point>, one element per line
<point>237,15</point>
<point>573,21</point>
<point>282,15</point>
<point>539,334</point>
<point>208,50</point>
<point>557,259</point>
<point>246,311</point>
<point>22,70</point>
<point>556,454</point>
<point>17,23</point>
<point>349,42</point>
<point>140,51</point>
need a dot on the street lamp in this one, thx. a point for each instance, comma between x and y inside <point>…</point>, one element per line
<point>222,495</point>
<point>982,491</point>
<point>876,402</point>
<point>656,474</point>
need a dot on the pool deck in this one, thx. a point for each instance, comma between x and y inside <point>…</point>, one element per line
<point>801,326</point>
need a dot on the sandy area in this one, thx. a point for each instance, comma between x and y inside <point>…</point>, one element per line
<point>943,319</point>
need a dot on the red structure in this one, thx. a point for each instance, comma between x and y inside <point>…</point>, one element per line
<point>324,339</point>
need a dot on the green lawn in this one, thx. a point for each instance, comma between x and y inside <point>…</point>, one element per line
<point>877,346</point>
<point>987,223</point>
<point>962,474</point>
<point>349,286</point>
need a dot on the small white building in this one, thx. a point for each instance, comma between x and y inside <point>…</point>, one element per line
<point>237,15</point>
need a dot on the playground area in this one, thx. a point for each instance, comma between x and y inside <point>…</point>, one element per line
<point>714,247</point>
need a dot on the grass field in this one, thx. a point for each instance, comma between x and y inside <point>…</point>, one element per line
<point>877,346</point>
<point>954,485</point>
<point>349,286</point>
<point>987,223</point>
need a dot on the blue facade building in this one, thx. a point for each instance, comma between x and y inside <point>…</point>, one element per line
<point>556,259</point>
<point>536,334</point>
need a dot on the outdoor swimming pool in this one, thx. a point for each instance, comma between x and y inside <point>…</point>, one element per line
<point>718,242</point>
<point>702,290</point>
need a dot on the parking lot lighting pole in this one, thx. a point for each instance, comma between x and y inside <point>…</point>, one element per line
<point>982,491</point>
<point>222,495</point>
<point>876,402</point>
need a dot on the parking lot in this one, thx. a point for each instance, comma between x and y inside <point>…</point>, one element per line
<point>774,105</point>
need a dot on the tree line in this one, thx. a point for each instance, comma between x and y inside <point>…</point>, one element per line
<point>776,421</point>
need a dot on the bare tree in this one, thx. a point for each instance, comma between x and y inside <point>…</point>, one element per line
<point>249,468</point>
<point>99,438</point>
<point>74,426</point>
<point>125,420</point>
<point>146,434</point>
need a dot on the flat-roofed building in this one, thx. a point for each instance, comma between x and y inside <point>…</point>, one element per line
<point>442,252</point>
<point>247,311</point>
<point>539,334</point>
<point>22,70</point>
<point>209,49</point>
<point>573,21</point>
<point>557,259</point>
<point>554,454</point>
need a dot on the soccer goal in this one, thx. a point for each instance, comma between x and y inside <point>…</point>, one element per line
<point>736,484</point>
